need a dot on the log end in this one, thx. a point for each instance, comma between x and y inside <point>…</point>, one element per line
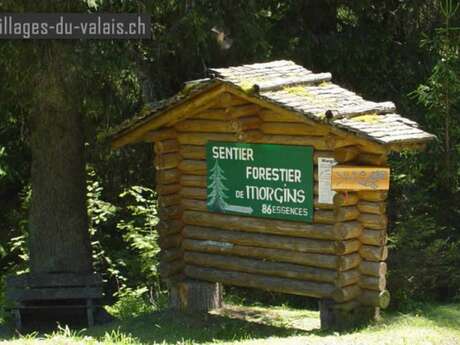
<point>384,299</point>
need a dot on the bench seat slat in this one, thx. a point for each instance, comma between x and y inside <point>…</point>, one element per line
<point>53,280</point>
<point>43,294</point>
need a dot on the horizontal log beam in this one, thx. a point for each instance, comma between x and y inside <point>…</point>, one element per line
<point>341,214</point>
<point>167,189</point>
<point>166,146</point>
<point>373,237</point>
<point>373,221</point>
<point>345,294</point>
<point>269,115</point>
<point>249,136</point>
<point>373,283</point>
<point>340,263</point>
<point>222,113</point>
<point>339,231</point>
<point>379,299</point>
<point>372,159</point>
<point>167,161</point>
<point>346,154</point>
<point>292,129</point>
<point>169,200</point>
<point>203,126</point>
<point>350,246</point>
<point>195,152</point>
<point>168,269</point>
<point>276,284</point>
<point>194,193</point>
<point>199,204</point>
<point>246,123</point>
<point>269,241</point>
<point>377,195</point>
<point>373,253</point>
<point>345,199</point>
<point>194,205</point>
<point>194,181</point>
<point>171,254</point>
<point>319,143</point>
<point>171,212</point>
<point>276,269</point>
<point>168,242</point>
<point>167,176</point>
<point>242,110</point>
<point>193,167</point>
<point>375,269</point>
<point>347,278</point>
<point>200,139</point>
<point>212,114</point>
<point>169,227</point>
<point>160,135</point>
<point>198,152</point>
<point>372,207</point>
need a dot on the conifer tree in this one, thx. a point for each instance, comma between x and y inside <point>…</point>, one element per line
<point>217,196</point>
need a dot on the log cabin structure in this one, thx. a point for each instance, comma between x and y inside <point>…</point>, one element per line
<point>337,254</point>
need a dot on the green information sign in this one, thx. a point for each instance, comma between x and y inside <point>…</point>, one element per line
<point>260,180</point>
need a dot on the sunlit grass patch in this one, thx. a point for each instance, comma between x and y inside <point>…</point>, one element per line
<point>237,324</point>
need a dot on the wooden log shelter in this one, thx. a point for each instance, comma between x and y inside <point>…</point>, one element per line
<point>272,177</point>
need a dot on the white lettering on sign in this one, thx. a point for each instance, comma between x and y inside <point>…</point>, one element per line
<point>325,192</point>
<point>235,153</point>
<point>261,180</point>
<point>280,195</point>
<point>273,174</point>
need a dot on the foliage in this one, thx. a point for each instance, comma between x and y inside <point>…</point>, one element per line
<point>426,237</point>
<point>128,230</point>
<point>132,302</point>
<point>441,96</point>
<point>372,47</point>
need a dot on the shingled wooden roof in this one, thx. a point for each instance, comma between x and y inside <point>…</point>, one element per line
<point>295,89</point>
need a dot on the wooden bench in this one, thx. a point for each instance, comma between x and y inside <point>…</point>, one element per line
<point>54,291</point>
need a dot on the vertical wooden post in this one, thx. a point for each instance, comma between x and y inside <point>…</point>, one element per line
<point>344,310</point>
<point>167,159</point>
<point>90,312</point>
<point>17,316</point>
<point>196,296</point>
<point>334,316</point>
<point>373,251</point>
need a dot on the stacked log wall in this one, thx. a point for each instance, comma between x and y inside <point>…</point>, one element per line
<point>167,159</point>
<point>340,256</point>
<point>374,251</point>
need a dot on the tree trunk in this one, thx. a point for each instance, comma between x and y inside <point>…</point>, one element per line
<point>58,221</point>
<point>320,16</point>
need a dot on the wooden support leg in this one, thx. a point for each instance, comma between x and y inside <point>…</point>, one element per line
<point>17,318</point>
<point>196,295</point>
<point>333,317</point>
<point>90,312</point>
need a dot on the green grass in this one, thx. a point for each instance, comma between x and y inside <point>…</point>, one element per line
<point>235,324</point>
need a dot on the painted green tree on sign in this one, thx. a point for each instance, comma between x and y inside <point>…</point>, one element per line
<point>217,189</point>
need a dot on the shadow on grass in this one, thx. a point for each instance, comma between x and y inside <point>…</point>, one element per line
<point>236,323</point>
<point>172,327</point>
<point>6,331</point>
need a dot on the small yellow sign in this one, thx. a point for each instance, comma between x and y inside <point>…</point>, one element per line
<point>355,178</point>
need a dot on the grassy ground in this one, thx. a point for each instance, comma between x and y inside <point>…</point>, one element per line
<point>439,325</point>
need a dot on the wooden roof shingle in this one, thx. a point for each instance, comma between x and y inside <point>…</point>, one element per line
<point>294,88</point>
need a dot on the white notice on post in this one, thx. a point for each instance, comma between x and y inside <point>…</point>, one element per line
<point>326,194</point>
